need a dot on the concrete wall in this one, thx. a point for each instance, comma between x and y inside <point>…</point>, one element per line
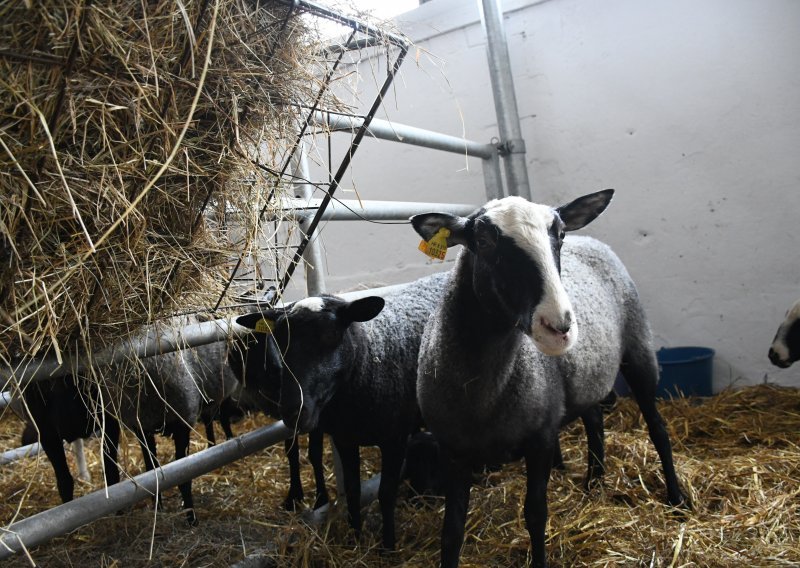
<point>691,110</point>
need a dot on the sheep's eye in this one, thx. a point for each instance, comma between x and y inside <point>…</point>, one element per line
<point>482,242</point>
<point>562,234</point>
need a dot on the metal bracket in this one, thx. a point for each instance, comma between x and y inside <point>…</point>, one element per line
<point>513,146</point>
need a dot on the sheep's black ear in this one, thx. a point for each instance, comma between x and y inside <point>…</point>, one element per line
<point>251,321</point>
<point>363,309</point>
<point>582,211</point>
<point>428,224</point>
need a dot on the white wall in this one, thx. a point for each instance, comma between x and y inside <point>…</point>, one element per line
<point>690,109</point>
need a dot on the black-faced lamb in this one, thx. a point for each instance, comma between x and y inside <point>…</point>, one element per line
<point>502,365</point>
<point>349,369</point>
<point>255,361</point>
<point>785,348</point>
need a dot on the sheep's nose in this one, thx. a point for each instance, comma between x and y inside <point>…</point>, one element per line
<point>776,360</point>
<point>565,324</point>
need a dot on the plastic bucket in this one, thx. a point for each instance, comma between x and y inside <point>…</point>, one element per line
<point>687,370</point>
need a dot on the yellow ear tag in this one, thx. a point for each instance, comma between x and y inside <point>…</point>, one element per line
<point>265,326</point>
<point>437,246</point>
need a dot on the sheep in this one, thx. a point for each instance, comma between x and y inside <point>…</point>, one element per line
<point>170,394</point>
<point>501,365</point>
<point>255,362</point>
<point>64,409</point>
<point>349,369</point>
<point>785,348</point>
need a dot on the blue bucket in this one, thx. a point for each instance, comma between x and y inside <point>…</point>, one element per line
<point>686,370</point>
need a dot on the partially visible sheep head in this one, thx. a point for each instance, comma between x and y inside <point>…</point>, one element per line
<point>516,251</point>
<point>785,348</point>
<point>314,351</point>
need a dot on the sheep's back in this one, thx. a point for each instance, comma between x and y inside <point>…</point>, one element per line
<point>381,392</point>
<point>609,316</point>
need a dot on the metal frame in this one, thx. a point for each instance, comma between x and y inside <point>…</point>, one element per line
<point>64,518</point>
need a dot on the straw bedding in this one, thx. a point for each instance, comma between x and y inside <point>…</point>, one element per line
<point>129,132</point>
<point>736,454</point>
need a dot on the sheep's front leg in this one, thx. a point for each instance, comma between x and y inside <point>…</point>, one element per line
<point>391,466</point>
<point>458,480</point>
<point>538,463</point>
<point>351,471</point>
<point>110,434</point>
<point>295,495</point>
<point>315,449</point>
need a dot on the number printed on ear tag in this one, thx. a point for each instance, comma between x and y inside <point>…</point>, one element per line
<point>265,326</point>
<point>437,246</point>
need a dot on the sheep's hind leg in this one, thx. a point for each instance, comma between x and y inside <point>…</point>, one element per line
<point>181,437</point>
<point>641,373</point>
<point>391,465</point>
<point>595,433</point>
<point>351,471</point>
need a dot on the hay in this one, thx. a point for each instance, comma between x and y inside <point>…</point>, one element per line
<point>129,134</point>
<point>736,455</point>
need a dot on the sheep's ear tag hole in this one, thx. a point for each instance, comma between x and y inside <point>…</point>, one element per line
<point>265,326</point>
<point>437,246</point>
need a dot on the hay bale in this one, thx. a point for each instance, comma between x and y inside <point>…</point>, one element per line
<point>127,130</point>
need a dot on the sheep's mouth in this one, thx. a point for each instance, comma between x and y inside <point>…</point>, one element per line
<point>552,330</point>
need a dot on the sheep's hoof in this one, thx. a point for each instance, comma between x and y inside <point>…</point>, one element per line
<point>682,505</point>
<point>191,518</point>
<point>322,499</point>
<point>292,503</point>
<point>592,482</point>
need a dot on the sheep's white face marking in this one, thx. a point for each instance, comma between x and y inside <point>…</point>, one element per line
<point>780,352</point>
<point>553,327</point>
<point>312,304</point>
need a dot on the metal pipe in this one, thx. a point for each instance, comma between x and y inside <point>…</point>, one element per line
<point>512,146</point>
<point>492,179</point>
<point>19,453</point>
<point>62,519</point>
<point>304,190</point>
<point>154,341</point>
<point>405,134</point>
<point>354,210</point>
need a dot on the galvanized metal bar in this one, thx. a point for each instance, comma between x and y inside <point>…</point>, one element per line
<point>492,178</point>
<point>405,134</point>
<point>19,453</point>
<point>304,191</point>
<point>154,341</point>
<point>512,146</point>
<point>60,520</point>
<point>368,210</point>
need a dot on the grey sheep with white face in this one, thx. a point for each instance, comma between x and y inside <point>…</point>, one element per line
<point>531,333</point>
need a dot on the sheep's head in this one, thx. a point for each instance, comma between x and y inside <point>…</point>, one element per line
<point>315,352</point>
<point>785,348</point>
<point>515,249</point>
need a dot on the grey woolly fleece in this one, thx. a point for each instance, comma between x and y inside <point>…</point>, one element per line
<point>179,386</point>
<point>378,401</point>
<point>484,395</point>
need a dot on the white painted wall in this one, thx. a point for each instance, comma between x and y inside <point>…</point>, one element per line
<point>690,109</point>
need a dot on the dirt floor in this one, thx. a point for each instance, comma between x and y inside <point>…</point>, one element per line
<point>736,455</point>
